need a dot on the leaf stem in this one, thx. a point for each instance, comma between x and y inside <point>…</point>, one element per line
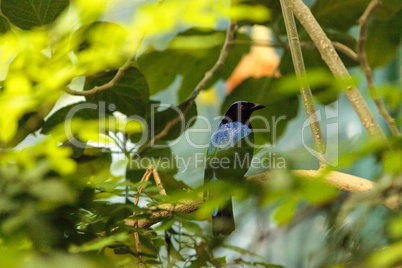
<point>305,90</point>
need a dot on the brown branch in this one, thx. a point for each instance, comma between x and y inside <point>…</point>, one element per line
<point>305,90</point>
<point>331,57</point>
<point>158,182</point>
<point>201,85</point>
<point>144,178</point>
<point>338,180</point>
<point>363,21</point>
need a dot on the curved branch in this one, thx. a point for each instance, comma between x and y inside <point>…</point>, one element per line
<point>338,46</point>
<point>204,81</point>
<point>363,21</point>
<point>118,76</point>
<point>305,90</point>
<point>341,181</point>
<point>331,57</point>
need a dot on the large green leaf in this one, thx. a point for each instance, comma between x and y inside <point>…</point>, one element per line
<point>92,36</point>
<point>388,9</point>
<point>91,162</point>
<point>383,40</point>
<point>162,67</point>
<point>30,13</point>
<point>4,24</point>
<point>339,14</point>
<point>81,109</point>
<point>129,96</point>
<point>279,108</point>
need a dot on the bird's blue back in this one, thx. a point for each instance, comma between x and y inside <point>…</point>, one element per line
<point>232,145</point>
<point>227,136</point>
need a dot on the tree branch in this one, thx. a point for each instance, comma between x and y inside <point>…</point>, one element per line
<point>305,90</point>
<point>338,46</point>
<point>189,102</point>
<point>331,57</point>
<point>363,21</point>
<point>338,180</point>
<point>118,76</point>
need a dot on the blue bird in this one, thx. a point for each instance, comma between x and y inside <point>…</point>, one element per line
<point>228,159</point>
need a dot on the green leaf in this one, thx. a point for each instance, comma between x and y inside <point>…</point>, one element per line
<point>161,119</point>
<point>316,192</point>
<point>388,9</point>
<point>383,39</point>
<point>342,15</point>
<point>76,110</point>
<point>94,163</point>
<point>129,96</point>
<point>279,108</point>
<point>285,212</point>
<point>83,38</point>
<point>242,251</point>
<point>52,193</point>
<point>27,124</point>
<point>189,62</point>
<point>395,228</point>
<point>30,13</point>
<point>339,14</point>
<point>100,243</point>
<point>4,24</point>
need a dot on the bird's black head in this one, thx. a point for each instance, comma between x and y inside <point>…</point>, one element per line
<point>240,111</point>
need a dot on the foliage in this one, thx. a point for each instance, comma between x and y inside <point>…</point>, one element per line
<point>69,171</point>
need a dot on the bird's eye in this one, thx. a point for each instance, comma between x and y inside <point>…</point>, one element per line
<point>243,107</point>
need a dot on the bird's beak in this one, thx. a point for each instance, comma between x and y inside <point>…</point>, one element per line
<point>257,107</point>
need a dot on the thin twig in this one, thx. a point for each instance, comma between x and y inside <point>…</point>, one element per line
<point>305,90</point>
<point>331,57</point>
<point>118,76</point>
<point>189,102</point>
<point>363,21</point>
<point>258,42</point>
<point>138,247</point>
<point>144,178</point>
<point>158,182</point>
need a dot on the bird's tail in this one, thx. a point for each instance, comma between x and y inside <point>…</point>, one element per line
<point>223,220</point>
